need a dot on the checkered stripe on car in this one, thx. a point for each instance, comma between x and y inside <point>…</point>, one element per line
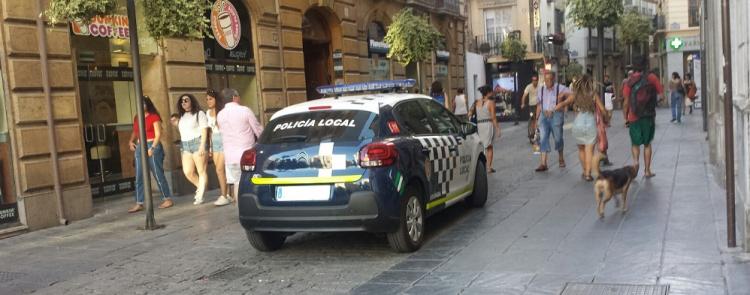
<point>443,162</point>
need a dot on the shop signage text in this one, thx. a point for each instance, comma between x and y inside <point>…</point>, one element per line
<point>113,26</point>
<point>8,213</point>
<point>105,73</point>
<point>225,24</point>
<point>236,69</point>
<point>379,47</point>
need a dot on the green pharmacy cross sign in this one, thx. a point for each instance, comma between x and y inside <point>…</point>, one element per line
<point>676,43</point>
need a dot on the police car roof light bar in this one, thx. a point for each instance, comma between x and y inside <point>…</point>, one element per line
<point>337,90</point>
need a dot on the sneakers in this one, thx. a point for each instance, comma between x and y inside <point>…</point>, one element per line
<point>221,201</point>
<point>198,202</point>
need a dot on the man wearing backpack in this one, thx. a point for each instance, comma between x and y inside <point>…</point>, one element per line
<point>641,92</point>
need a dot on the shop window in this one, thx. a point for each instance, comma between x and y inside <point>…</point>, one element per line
<point>380,66</point>
<point>234,68</point>
<point>8,204</point>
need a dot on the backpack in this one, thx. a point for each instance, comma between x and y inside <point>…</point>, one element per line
<point>642,97</point>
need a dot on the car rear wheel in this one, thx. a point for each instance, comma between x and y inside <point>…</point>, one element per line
<point>478,197</point>
<point>410,233</point>
<point>265,241</point>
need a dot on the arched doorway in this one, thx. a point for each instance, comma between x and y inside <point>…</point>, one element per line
<point>317,48</point>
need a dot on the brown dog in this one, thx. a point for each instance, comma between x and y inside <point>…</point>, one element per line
<point>609,183</point>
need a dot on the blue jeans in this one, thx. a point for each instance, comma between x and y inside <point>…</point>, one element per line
<point>156,165</point>
<point>677,102</point>
<point>553,126</point>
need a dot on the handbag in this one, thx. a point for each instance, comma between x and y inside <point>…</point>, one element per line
<point>601,132</point>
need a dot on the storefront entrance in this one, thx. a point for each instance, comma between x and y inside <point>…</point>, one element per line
<point>316,44</point>
<point>105,81</point>
<point>234,68</point>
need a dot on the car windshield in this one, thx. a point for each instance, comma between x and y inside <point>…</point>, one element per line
<point>321,126</point>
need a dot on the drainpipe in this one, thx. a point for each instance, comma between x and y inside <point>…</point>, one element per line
<point>42,34</point>
<point>704,57</point>
<point>728,123</point>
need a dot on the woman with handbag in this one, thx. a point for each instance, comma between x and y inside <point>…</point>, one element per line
<point>692,92</point>
<point>587,104</point>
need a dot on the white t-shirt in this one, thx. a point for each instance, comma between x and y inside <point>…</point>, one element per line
<point>191,125</point>
<point>461,108</point>
<point>531,91</point>
<point>212,124</point>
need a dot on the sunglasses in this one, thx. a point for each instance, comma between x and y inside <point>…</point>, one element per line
<point>185,99</point>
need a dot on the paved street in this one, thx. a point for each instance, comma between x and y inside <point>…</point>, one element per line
<point>537,233</point>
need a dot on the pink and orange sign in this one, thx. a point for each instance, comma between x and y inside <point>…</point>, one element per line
<point>111,26</point>
<point>225,24</point>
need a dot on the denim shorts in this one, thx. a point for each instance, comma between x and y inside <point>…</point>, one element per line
<point>216,145</point>
<point>191,146</point>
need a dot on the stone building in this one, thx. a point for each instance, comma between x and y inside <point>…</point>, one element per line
<point>285,50</point>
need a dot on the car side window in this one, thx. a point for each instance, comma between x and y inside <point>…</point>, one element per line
<point>412,118</point>
<point>443,120</point>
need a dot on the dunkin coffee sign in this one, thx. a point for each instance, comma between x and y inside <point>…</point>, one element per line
<point>111,26</point>
<point>225,24</point>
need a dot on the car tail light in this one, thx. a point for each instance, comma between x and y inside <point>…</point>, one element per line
<point>378,154</point>
<point>247,162</point>
<point>317,108</point>
<point>393,126</point>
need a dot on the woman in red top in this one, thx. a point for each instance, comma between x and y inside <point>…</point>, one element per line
<point>155,157</point>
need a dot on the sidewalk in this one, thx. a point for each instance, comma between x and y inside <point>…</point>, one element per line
<point>546,233</point>
<point>537,233</point>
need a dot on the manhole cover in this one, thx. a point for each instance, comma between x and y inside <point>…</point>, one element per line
<point>229,274</point>
<point>6,276</point>
<point>614,289</point>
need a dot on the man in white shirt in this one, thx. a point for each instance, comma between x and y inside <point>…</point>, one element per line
<point>531,93</point>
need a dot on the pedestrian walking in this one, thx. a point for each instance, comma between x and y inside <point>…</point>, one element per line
<point>677,95</point>
<point>460,105</point>
<point>214,106</point>
<point>550,121</point>
<point>692,92</point>
<point>193,126</point>
<point>530,95</point>
<point>239,130</point>
<point>587,104</point>
<point>436,92</point>
<point>642,92</point>
<point>155,157</point>
<point>487,126</point>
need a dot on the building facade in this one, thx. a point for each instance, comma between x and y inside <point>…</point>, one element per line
<point>714,101</point>
<point>286,49</point>
<point>678,38</point>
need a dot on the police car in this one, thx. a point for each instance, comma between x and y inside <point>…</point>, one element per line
<point>369,162</point>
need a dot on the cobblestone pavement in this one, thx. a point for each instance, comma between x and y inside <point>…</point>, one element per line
<point>537,232</point>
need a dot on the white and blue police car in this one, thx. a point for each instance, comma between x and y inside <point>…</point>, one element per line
<point>369,162</point>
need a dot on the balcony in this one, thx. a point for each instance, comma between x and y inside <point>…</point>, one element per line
<point>447,7</point>
<point>659,23</point>
<point>609,46</point>
<point>425,4</point>
<point>490,44</point>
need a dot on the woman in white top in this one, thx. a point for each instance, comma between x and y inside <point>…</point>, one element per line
<point>217,148</point>
<point>193,126</point>
<point>459,105</point>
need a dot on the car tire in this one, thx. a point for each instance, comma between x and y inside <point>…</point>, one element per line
<point>265,241</point>
<point>410,234</point>
<point>478,197</point>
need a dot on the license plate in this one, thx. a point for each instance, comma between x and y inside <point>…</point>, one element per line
<point>303,193</point>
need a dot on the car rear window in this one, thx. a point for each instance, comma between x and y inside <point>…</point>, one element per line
<point>320,126</point>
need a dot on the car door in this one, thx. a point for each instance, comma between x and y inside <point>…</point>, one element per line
<point>414,122</point>
<point>452,155</point>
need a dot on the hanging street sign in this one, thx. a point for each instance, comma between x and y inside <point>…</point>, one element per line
<point>225,24</point>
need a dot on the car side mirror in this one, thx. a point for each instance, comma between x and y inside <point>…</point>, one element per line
<point>468,128</point>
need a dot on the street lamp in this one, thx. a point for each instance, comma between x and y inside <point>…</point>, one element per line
<point>136,57</point>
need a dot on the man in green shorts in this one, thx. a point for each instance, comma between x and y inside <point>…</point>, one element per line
<point>639,107</point>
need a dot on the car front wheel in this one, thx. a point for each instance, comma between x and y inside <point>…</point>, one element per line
<point>410,233</point>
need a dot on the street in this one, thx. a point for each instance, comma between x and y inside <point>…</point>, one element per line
<point>536,233</point>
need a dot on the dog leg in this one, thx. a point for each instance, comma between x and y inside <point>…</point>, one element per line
<point>598,198</point>
<point>607,197</point>
<point>625,198</point>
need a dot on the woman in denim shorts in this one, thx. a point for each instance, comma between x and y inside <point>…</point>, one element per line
<point>214,107</point>
<point>193,126</point>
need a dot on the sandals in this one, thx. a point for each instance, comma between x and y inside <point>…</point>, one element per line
<point>587,177</point>
<point>492,170</point>
<point>562,163</point>
<point>541,168</point>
